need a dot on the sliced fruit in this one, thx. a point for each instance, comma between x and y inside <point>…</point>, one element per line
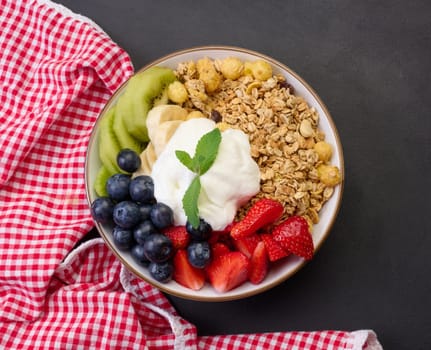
<point>246,245</point>
<point>228,271</point>
<point>185,274</point>
<point>102,177</point>
<point>265,211</point>
<point>162,99</point>
<point>178,235</point>
<point>218,249</point>
<point>273,248</point>
<point>109,147</point>
<point>138,98</point>
<point>259,264</point>
<point>294,236</point>
<point>125,139</point>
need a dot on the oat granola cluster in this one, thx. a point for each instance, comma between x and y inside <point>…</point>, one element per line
<point>285,139</point>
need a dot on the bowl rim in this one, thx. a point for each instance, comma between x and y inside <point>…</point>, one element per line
<point>278,280</point>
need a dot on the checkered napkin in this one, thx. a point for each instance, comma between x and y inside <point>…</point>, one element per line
<point>57,69</point>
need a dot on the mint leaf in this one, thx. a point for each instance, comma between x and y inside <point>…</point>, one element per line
<point>190,202</point>
<point>206,151</point>
<point>185,159</point>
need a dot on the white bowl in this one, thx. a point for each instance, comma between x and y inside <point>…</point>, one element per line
<point>284,269</point>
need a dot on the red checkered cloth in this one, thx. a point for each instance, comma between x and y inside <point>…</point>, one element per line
<point>57,69</point>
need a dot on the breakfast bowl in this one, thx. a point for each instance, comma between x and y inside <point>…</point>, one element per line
<point>293,142</point>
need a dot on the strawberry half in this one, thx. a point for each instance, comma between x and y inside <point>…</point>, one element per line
<point>246,245</point>
<point>186,274</point>
<point>273,248</point>
<point>294,236</point>
<point>228,271</point>
<point>178,235</point>
<point>259,264</point>
<point>218,249</point>
<point>262,213</point>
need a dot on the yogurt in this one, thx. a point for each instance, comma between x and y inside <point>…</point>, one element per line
<point>231,181</point>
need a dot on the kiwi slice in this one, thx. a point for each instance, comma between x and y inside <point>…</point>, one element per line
<point>100,182</point>
<point>109,147</point>
<point>162,99</point>
<point>138,98</point>
<point>125,139</point>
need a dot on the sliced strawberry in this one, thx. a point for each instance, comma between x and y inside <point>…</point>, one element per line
<point>262,213</point>
<point>259,264</point>
<point>228,271</point>
<point>294,236</point>
<point>218,249</point>
<point>186,274</point>
<point>178,235</point>
<point>246,245</point>
<point>273,248</point>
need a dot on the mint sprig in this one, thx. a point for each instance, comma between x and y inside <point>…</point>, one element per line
<point>204,157</point>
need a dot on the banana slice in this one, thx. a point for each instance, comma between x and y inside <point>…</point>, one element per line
<point>163,113</point>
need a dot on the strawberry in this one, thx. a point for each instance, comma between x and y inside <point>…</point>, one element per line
<point>218,249</point>
<point>262,213</point>
<point>246,245</point>
<point>259,264</point>
<point>294,236</point>
<point>228,271</point>
<point>274,250</point>
<point>178,235</point>
<point>186,274</point>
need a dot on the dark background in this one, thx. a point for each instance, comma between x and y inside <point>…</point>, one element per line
<point>370,62</point>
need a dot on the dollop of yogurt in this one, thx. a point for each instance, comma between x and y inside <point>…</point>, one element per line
<point>230,182</point>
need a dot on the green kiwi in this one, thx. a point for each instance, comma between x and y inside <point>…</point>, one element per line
<point>125,139</point>
<point>100,182</point>
<point>162,99</point>
<point>109,147</point>
<point>138,98</point>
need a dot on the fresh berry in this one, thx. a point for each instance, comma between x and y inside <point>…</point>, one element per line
<point>123,238</point>
<point>138,254</point>
<point>178,236</point>
<point>141,189</point>
<point>273,248</point>
<point>247,244</point>
<point>186,274</point>
<point>294,236</point>
<point>128,160</point>
<point>145,209</point>
<point>200,233</point>
<point>228,271</point>
<point>126,214</point>
<point>158,248</point>
<point>218,249</point>
<point>162,216</point>
<point>265,211</point>
<point>143,230</point>
<point>259,264</point>
<point>161,272</point>
<point>199,254</point>
<point>102,209</point>
<point>117,187</point>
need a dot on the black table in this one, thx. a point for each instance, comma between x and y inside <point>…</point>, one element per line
<point>370,62</point>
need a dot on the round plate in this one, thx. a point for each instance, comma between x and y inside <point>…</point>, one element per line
<point>284,269</point>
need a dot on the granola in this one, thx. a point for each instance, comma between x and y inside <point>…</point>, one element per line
<point>283,130</point>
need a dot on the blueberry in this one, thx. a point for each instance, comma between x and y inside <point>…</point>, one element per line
<point>199,254</point>
<point>158,248</point>
<point>143,230</point>
<point>126,214</point>
<point>138,255</point>
<point>123,238</point>
<point>161,215</point>
<point>145,209</point>
<point>201,233</point>
<point>161,272</point>
<point>141,189</point>
<point>117,187</point>
<point>102,209</point>
<point>128,160</point>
